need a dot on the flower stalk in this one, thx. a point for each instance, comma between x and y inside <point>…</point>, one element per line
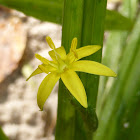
<point>64,65</point>
<point>84,20</point>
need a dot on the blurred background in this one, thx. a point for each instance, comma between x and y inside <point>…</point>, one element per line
<point>21,37</point>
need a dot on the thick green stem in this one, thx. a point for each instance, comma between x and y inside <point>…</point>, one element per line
<point>93,23</point>
<point>82,19</point>
<point>72,27</point>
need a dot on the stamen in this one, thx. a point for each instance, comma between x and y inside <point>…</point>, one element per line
<point>53,65</point>
<point>73,47</point>
<point>43,69</point>
<point>52,46</point>
<point>42,59</point>
<point>75,54</point>
<point>74,44</point>
<point>50,42</point>
<point>60,63</point>
<point>58,58</point>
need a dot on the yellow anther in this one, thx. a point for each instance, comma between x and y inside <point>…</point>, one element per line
<point>50,42</point>
<point>42,59</point>
<point>74,44</point>
<point>73,47</point>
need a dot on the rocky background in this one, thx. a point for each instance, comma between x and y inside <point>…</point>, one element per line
<point>22,37</point>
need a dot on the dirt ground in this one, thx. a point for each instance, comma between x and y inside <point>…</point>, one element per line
<point>20,117</point>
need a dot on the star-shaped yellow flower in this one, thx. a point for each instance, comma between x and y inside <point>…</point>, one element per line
<point>64,66</point>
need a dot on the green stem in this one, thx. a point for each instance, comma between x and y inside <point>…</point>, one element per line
<point>82,19</point>
<point>93,23</point>
<point>72,27</point>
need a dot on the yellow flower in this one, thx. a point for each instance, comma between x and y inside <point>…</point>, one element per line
<point>64,66</point>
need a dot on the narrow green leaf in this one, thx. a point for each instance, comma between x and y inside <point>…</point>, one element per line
<point>46,10</point>
<point>131,99</point>
<point>115,44</point>
<point>2,135</point>
<point>123,91</point>
<point>116,21</point>
<point>51,10</point>
<point>113,49</point>
<point>133,133</point>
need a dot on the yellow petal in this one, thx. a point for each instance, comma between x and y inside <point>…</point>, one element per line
<point>92,68</point>
<point>42,59</point>
<point>75,86</point>
<point>82,52</point>
<point>46,88</point>
<point>61,51</point>
<point>87,50</point>
<point>50,42</point>
<point>37,71</point>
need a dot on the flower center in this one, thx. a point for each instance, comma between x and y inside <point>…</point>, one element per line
<point>62,66</point>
